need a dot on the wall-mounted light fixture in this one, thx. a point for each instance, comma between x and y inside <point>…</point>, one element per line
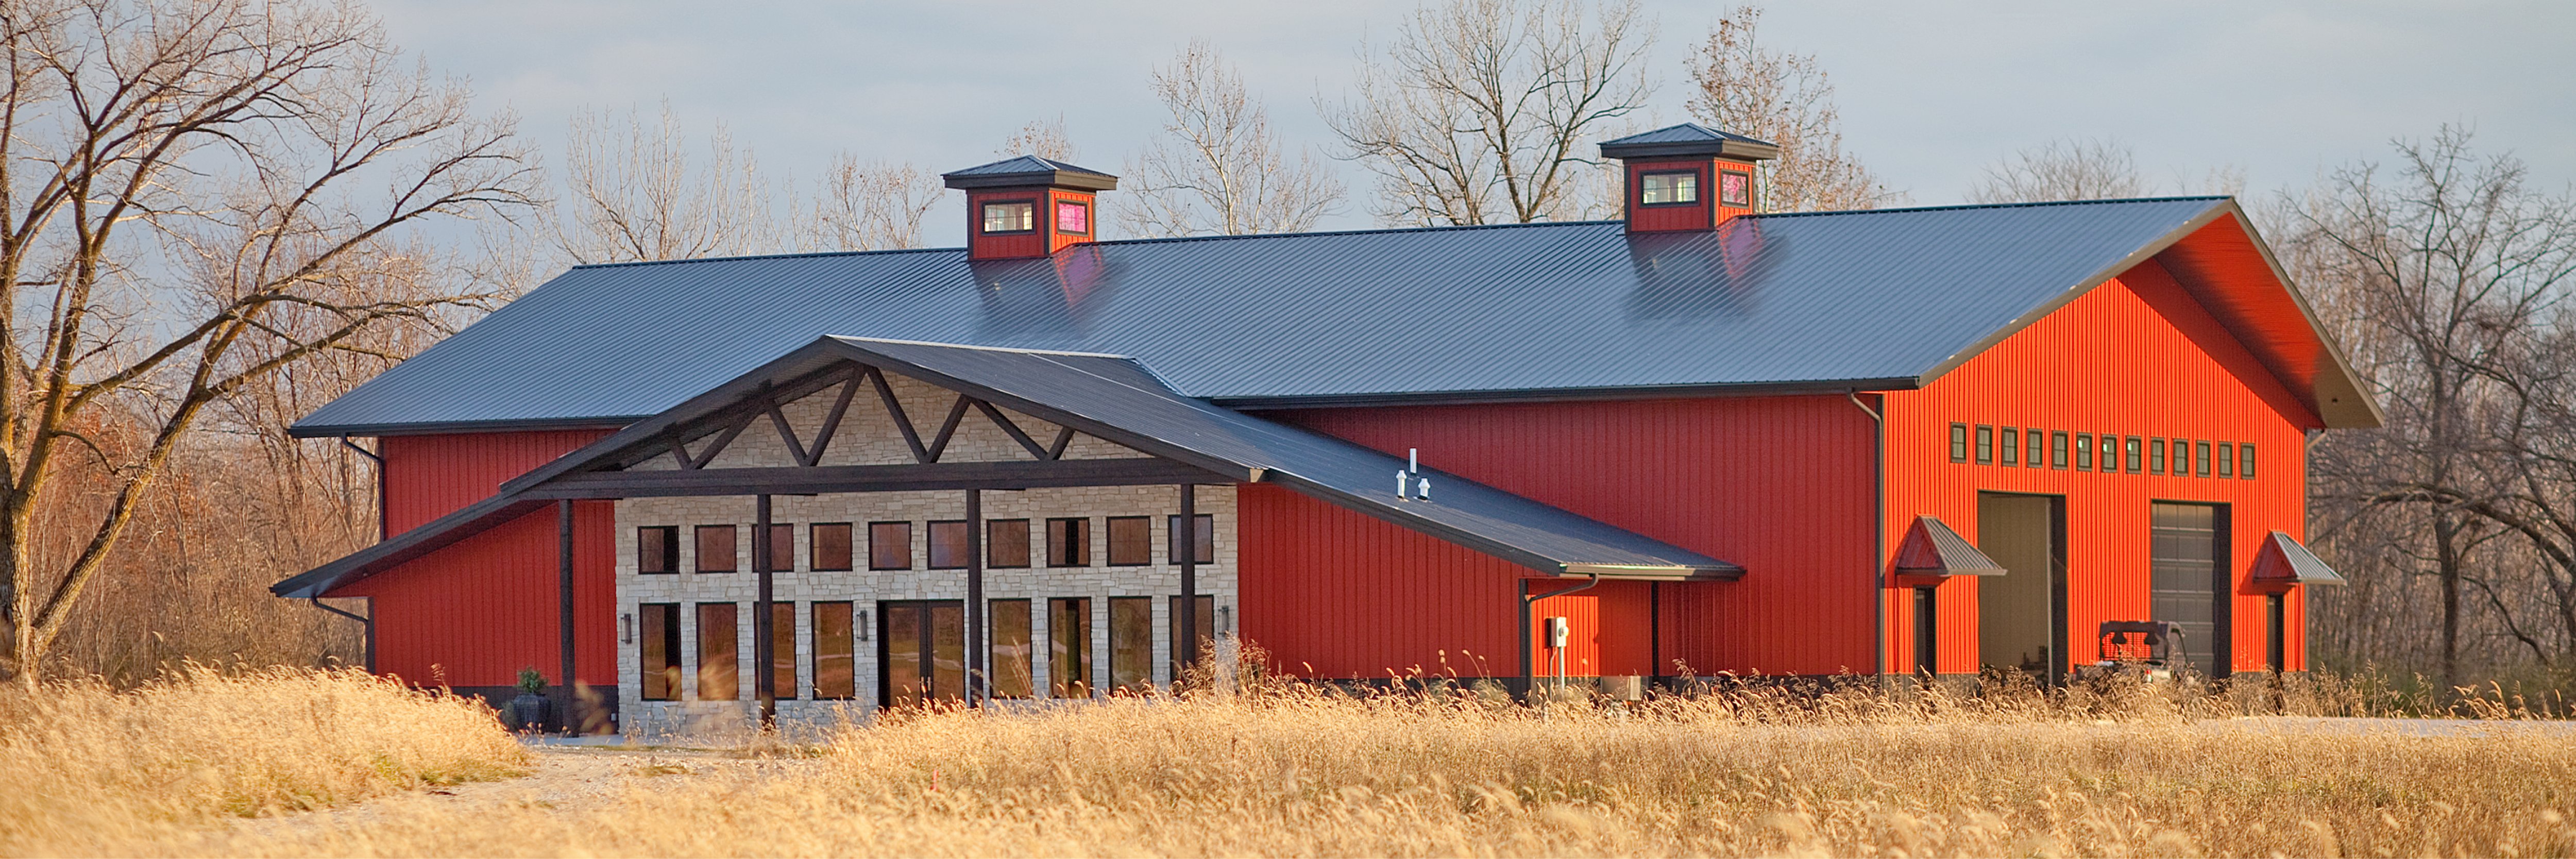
<point>626,628</point>
<point>862,618</point>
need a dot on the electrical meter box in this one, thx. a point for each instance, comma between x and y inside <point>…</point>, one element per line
<point>1558,632</point>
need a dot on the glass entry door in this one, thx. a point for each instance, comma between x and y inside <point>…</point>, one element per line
<point>922,653</point>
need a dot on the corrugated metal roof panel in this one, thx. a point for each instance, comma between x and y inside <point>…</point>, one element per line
<point>1688,132</point>
<point>1872,298</point>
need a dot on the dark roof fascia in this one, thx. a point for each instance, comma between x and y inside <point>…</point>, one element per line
<point>450,427</point>
<point>1050,178</point>
<point>1566,395</point>
<point>1720,148</point>
<point>431,536</point>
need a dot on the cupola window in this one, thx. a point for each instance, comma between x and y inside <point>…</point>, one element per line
<point>1017,217</point>
<point>1670,188</point>
<point>1735,189</point>
<point>1073,218</point>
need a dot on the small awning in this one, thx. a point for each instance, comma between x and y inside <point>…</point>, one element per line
<point>2282,561</point>
<point>1932,549</point>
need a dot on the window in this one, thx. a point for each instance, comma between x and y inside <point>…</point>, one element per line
<point>2245,461</point>
<point>1669,188</point>
<point>948,546</point>
<point>1202,538</point>
<point>1013,217</point>
<point>831,546</point>
<point>1072,217</point>
<point>1735,189</point>
<point>2084,451</point>
<point>715,549</point>
<point>1958,442</point>
<point>782,648</point>
<point>2011,447</point>
<point>1069,647</point>
<point>834,654</point>
<point>2155,456</point>
<point>2038,457</point>
<point>2132,452</point>
<point>1131,541</point>
<point>1010,653</point>
<point>718,671</point>
<point>782,548</point>
<point>1131,643</point>
<point>1068,542</point>
<point>2110,453</point>
<point>1185,655</point>
<point>1006,544</point>
<point>889,545</point>
<point>657,549</point>
<point>2200,458</point>
<point>1985,445</point>
<point>2057,450</point>
<point>659,641</point>
<point>2226,459</point>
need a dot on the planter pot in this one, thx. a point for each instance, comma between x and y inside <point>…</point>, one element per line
<point>530,712</point>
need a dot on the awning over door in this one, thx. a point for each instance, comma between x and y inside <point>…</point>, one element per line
<point>1932,549</point>
<point>2283,562</point>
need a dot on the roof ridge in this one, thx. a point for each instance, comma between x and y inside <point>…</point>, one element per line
<point>2026,205</point>
<point>738,257</point>
<point>1017,349</point>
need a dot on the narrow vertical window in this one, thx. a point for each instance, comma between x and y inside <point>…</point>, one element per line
<point>1958,442</point>
<point>2200,458</point>
<point>889,545</point>
<point>2057,450</point>
<point>658,639</point>
<point>2010,446</point>
<point>948,545</point>
<point>834,652</point>
<point>1006,544</point>
<point>657,549</point>
<point>1985,445</point>
<point>1069,647</point>
<point>715,549</point>
<point>1185,654</point>
<point>2133,453</point>
<point>2245,461</point>
<point>2084,451</point>
<point>2181,465</point>
<point>1068,542</point>
<point>1131,541</point>
<point>2226,459</point>
<point>1202,538</point>
<point>719,677</point>
<point>1010,652</point>
<point>2038,450</point>
<point>2155,456</point>
<point>782,548</point>
<point>782,648</point>
<point>831,548</point>
<point>1131,643</point>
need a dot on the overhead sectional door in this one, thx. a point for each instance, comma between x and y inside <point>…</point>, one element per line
<point>2189,579</point>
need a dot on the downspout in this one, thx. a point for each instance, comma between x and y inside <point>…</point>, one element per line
<point>365,621</point>
<point>379,459</point>
<point>1877,530</point>
<point>1529,680</point>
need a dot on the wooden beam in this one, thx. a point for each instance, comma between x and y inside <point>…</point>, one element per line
<point>832,421</point>
<point>814,480</point>
<point>1008,426</point>
<point>894,408</point>
<point>1063,437</point>
<point>948,430</point>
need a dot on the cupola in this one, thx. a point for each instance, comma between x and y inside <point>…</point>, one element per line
<point>1688,177</point>
<point>1029,206</point>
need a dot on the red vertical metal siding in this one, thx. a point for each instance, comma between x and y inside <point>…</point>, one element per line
<point>1781,485</point>
<point>428,476</point>
<point>2136,356</point>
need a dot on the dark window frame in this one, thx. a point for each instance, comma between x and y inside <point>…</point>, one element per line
<point>873,557</point>
<point>2038,441</point>
<point>2057,449</point>
<point>1745,202</point>
<point>1697,179</point>
<point>1069,654</point>
<point>2133,454</point>
<point>848,671</point>
<point>2156,455</point>
<point>1985,444</point>
<point>2227,460</point>
<point>732,642</point>
<point>2200,458</point>
<point>1007,681</point>
<point>962,534</point>
<point>2008,445</point>
<point>1144,544</point>
<point>849,539</point>
<point>1958,442</point>
<point>1183,657</point>
<point>993,559</point>
<point>1139,655</point>
<point>1205,546</point>
<point>1076,545</point>
<point>672,667</point>
<point>2245,461</point>
<point>983,217</point>
<point>732,554</point>
<point>668,541</point>
<point>2084,451</point>
<point>1087,213</point>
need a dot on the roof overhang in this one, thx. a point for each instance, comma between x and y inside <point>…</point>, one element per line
<point>1931,548</point>
<point>2283,563</point>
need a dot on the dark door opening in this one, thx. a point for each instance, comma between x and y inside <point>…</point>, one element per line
<point>2021,615</point>
<point>2189,569</point>
<point>921,654</point>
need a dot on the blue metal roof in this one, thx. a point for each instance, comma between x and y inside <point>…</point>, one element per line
<point>1688,132</point>
<point>1022,164</point>
<point>1872,299</point>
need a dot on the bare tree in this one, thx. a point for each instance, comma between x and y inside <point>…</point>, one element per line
<point>1788,100</point>
<point>1483,111</point>
<point>632,193</point>
<point>869,206</point>
<point>1217,167</point>
<point>2071,169</point>
<point>199,194</point>
<point>1044,138</point>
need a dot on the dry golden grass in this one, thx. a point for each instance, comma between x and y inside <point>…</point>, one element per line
<point>85,769</point>
<point>1295,771</point>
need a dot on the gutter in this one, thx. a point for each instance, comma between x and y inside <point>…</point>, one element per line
<point>1877,530</point>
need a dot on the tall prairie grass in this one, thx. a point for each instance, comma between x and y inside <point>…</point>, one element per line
<point>2123,770</point>
<point>87,769</point>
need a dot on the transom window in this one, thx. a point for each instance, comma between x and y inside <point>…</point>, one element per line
<point>1013,217</point>
<point>1669,188</point>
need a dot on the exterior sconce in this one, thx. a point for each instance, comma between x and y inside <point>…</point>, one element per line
<point>626,628</point>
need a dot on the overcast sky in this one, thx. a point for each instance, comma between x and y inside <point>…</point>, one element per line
<point>1930,92</point>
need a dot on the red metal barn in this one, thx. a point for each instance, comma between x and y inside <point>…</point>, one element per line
<point>1697,439</point>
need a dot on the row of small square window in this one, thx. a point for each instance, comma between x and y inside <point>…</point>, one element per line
<point>2133,454</point>
<point>1006,544</point>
